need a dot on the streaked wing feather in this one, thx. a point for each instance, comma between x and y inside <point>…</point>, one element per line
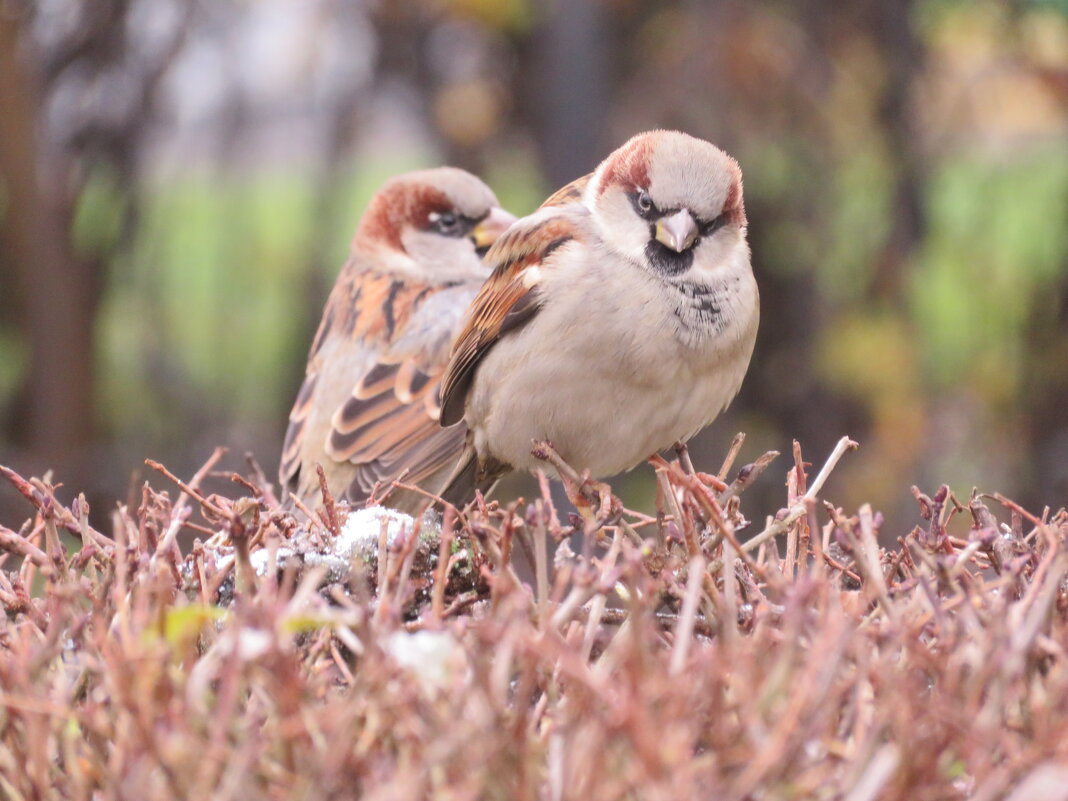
<point>393,430</point>
<point>569,193</point>
<point>425,458</point>
<point>507,300</point>
<point>389,418</point>
<point>291,447</point>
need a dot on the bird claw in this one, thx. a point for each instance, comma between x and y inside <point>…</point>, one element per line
<point>593,499</point>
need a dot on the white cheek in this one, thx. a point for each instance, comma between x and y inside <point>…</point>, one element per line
<point>726,249</point>
<point>443,257</point>
<point>622,229</point>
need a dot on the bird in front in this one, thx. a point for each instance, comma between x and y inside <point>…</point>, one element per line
<point>619,318</point>
<point>368,408</point>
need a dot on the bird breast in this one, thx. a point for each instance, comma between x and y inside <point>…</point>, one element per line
<point>616,365</point>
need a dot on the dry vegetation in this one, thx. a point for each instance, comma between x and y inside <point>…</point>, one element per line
<point>692,655</point>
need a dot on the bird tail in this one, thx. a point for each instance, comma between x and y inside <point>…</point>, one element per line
<point>459,487</point>
<point>468,476</point>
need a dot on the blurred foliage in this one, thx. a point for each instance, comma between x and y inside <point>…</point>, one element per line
<point>994,256</point>
<point>206,294</point>
<point>514,15</point>
<point>906,174</point>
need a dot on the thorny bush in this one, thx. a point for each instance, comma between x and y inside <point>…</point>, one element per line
<point>686,655</point>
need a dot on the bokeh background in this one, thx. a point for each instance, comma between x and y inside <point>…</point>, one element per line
<point>179,180</point>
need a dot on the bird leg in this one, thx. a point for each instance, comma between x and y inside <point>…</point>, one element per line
<point>593,499</point>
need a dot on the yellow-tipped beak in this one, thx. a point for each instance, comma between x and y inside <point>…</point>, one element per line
<point>678,232</point>
<point>496,223</point>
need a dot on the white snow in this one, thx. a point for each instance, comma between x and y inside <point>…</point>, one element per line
<point>358,539</point>
<point>435,658</point>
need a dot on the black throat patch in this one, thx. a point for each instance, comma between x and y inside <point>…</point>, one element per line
<point>666,261</point>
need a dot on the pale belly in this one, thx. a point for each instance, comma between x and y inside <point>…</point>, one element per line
<point>606,396</point>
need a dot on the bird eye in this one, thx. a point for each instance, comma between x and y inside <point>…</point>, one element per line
<point>643,204</point>
<point>445,222</point>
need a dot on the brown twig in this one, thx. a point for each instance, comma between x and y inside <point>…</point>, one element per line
<point>189,489</point>
<point>11,541</point>
<point>732,455</point>
<point>333,522</point>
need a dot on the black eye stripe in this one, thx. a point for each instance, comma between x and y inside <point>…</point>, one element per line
<point>707,228</point>
<point>710,227</point>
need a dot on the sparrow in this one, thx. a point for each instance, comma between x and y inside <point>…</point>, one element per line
<point>619,318</point>
<point>369,405</point>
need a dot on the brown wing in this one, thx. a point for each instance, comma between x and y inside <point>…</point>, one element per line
<point>289,467</point>
<point>368,408</point>
<point>507,300</point>
<point>569,193</point>
<point>389,427</point>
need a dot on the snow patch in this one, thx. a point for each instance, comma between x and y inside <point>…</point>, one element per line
<point>435,658</point>
<point>358,539</point>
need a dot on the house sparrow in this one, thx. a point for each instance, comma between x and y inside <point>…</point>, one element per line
<point>619,319</point>
<point>368,408</point>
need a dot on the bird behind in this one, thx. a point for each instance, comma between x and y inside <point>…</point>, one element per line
<point>369,405</point>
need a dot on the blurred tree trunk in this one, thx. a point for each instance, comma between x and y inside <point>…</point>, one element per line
<point>1046,380</point>
<point>903,55</point>
<point>45,164</point>
<point>570,73</point>
<point>55,292</point>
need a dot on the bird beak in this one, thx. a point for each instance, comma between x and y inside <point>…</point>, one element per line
<point>678,232</point>
<point>492,226</point>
